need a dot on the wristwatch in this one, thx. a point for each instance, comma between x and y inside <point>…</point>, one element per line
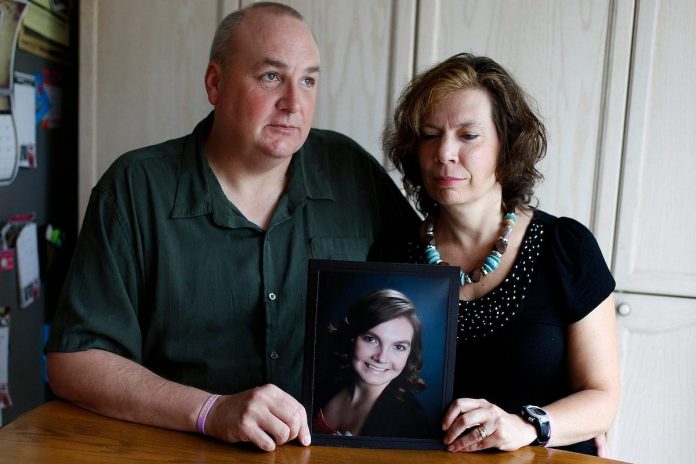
<point>541,422</point>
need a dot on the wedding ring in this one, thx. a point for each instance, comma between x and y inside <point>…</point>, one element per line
<point>482,431</point>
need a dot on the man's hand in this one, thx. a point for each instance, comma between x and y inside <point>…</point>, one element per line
<point>265,416</point>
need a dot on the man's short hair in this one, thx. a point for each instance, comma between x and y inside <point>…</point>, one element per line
<point>220,48</point>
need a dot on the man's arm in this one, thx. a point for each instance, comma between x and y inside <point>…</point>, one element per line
<point>114,386</point>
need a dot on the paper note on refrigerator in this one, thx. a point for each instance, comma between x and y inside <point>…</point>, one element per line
<point>28,265</point>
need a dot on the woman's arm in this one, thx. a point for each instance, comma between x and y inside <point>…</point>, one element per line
<point>593,375</point>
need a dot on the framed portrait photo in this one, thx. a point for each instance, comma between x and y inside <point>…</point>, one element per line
<point>379,353</point>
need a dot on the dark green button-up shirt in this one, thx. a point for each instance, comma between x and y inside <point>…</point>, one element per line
<point>169,273</point>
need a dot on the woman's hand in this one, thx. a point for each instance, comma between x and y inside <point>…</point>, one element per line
<point>473,425</point>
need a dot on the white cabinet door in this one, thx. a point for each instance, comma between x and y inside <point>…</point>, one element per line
<point>141,77</point>
<point>142,67</point>
<point>366,56</point>
<point>655,249</point>
<point>656,422</point>
<point>572,57</point>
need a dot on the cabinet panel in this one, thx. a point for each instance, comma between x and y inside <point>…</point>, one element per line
<point>141,77</point>
<point>655,251</point>
<point>141,47</point>
<point>142,67</point>
<point>657,340</point>
<point>355,41</point>
<point>572,57</point>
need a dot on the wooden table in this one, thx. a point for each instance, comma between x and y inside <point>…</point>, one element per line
<point>58,432</point>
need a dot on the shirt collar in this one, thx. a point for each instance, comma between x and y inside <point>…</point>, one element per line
<point>192,191</point>
<point>198,192</point>
<point>310,175</point>
<point>312,172</point>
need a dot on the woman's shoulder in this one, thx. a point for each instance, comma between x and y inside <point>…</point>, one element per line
<point>569,239</point>
<point>399,414</point>
<point>409,399</point>
<point>399,398</point>
<point>565,225</point>
<point>575,260</point>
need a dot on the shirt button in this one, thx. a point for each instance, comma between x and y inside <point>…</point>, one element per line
<point>274,355</point>
<point>272,296</point>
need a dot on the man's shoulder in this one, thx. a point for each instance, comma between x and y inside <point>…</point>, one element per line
<point>324,140</point>
<point>160,161</point>
<point>329,136</point>
<point>335,149</point>
<point>161,154</point>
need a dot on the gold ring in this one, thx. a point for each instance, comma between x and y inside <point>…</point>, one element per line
<point>482,431</point>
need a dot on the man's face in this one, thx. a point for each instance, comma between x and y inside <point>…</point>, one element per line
<point>265,95</point>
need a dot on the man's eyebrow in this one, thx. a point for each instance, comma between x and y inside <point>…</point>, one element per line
<point>282,65</point>
<point>274,63</point>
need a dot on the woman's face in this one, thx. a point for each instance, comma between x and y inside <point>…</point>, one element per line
<point>459,148</point>
<point>381,352</point>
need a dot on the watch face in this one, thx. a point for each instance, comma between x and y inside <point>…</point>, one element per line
<point>540,420</point>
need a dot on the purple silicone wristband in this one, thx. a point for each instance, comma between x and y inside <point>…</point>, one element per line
<point>203,413</point>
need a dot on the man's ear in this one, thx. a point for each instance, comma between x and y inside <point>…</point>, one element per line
<point>213,81</point>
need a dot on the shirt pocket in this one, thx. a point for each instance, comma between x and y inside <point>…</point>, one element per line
<point>346,249</point>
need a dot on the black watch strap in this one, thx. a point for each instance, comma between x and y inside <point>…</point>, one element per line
<point>541,422</point>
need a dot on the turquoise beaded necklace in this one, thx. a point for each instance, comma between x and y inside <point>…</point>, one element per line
<point>490,264</point>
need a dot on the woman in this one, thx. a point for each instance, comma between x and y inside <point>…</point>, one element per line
<point>536,317</point>
<point>377,360</point>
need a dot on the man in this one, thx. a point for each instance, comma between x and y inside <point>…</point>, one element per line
<point>189,277</point>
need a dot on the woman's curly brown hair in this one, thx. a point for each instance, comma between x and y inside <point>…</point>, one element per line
<point>367,312</point>
<point>521,132</point>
